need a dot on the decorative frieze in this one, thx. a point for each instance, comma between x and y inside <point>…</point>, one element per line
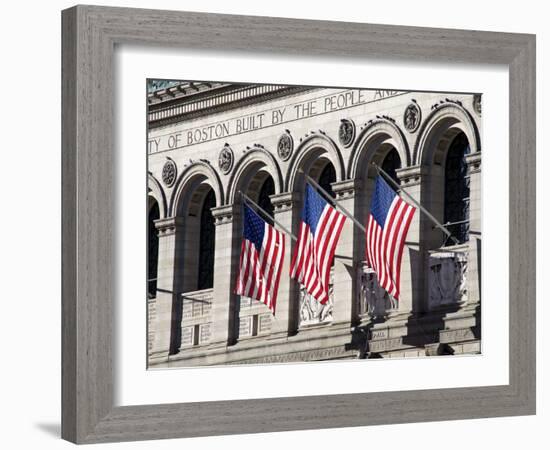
<point>223,214</point>
<point>384,345</point>
<point>168,225</point>
<point>345,189</point>
<point>284,201</point>
<point>410,176</point>
<point>473,160</point>
<point>458,335</point>
<point>339,352</point>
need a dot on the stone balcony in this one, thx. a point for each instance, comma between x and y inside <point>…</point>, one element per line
<point>196,318</point>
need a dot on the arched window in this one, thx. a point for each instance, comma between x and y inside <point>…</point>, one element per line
<point>267,189</point>
<point>457,189</point>
<point>328,176</point>
<point>206,243</point>
<point>152,250</point>
<point>391,163</point>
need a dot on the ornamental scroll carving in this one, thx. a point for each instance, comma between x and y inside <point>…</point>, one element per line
<point>311,311</point>
<point>373,300</point>
<point>447,279</point>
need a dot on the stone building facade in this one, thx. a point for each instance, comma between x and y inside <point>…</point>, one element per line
<point>209,141</point>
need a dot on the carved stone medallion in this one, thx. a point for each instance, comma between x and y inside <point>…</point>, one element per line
<point>285,146</point>
<point>412,117</point>
<point>169,173</point>
<point>346,132</point>
<point>476,103</point>
<point>225,160</point>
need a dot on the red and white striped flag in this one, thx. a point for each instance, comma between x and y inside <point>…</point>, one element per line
<point>262,253</point>
<point>387,227</point>
<point>319,233</point>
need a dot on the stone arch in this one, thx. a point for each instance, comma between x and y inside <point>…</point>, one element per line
<point>247,170</point>
<point>154,190</point>
<point>310,149</point>
<point>440,128</point>
<point>377,134</point>
<point>197,173</point>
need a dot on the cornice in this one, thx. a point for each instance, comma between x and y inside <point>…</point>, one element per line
<point>232,97</point>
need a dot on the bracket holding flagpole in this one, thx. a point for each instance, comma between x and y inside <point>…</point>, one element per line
<point>266,214</point>
<point>399,189</point>
<point>336,203</point>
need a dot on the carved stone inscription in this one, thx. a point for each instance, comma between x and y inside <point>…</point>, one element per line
<point>275,116</point>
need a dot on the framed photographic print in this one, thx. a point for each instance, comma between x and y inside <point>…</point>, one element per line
<point>310,220</point>
<point>259,201</point>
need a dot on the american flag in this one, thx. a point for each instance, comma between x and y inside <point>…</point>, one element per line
<point>387,227</point>
<point>319,232</point>
<point>262,252</point>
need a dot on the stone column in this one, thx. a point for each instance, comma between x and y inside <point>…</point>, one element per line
<point>473,271</point>
<point>345,258</point>
<point>286,314</point>
<point>168,310</point>
<point>413,292</point>
<point>463,328</point>
<point>226,261</point>
<point>392,336</point>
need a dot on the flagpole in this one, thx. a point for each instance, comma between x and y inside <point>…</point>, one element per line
<point>336,204</point>
<point>266,214</point>
<point>418,205</point>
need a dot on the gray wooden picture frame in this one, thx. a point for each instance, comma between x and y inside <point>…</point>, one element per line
<point>90,34</point>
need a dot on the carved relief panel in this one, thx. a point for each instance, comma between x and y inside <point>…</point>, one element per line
<point>447,279</point>
<point>313,312</point>
<point>373,300</point>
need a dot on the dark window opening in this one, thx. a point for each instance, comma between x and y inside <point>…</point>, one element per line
<point>152,251</point>
<point>328,176</point>
<point>391,163</point>
<point>457,189</point>
<point>268,188</point>
<point>206,243</point>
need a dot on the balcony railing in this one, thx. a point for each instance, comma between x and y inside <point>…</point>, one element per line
<point>254,318</point>
<point>196,317</point>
